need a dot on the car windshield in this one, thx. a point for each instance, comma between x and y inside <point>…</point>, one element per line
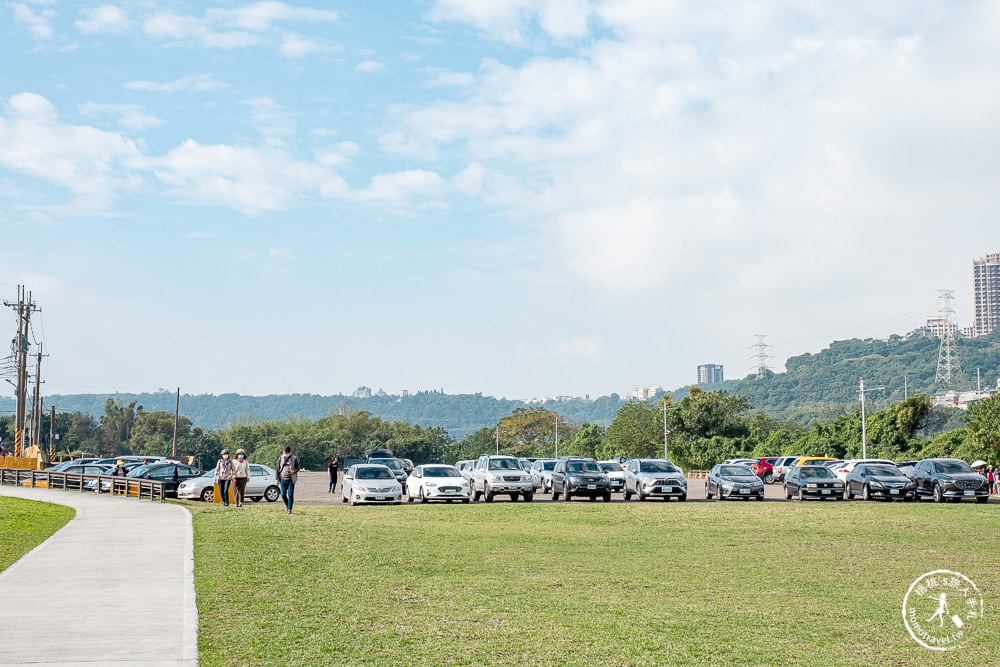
<point>816,472</point>
<point>549,465</point>
<point>952,467</point>
<point>505,464</point>
<point>441,472</point>
<point>392,463</point>
<point>656,466</point>
<point>583,466</point>
<point>373,473</point>
<point>140,471</point>
<point>883,470</point>
<point>611,467</point>
<point>736,471</point>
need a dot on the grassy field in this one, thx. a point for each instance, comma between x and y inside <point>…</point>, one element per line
<point>24,524</point>
<point>583,584</point>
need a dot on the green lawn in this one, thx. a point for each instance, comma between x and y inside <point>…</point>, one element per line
<point>24,524</point>
<point>583,584</point>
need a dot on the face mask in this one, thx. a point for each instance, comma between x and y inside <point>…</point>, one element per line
<point>239,456</point>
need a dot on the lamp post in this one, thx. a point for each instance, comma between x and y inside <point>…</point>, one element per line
<point>666,431</point>
<point>864,429</point>
<point>557,434</point>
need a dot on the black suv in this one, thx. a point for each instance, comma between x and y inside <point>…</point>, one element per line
<point>582,477</point>
<point>949,479</point>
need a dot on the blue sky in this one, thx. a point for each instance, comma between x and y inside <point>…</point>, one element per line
<point>519,197</point>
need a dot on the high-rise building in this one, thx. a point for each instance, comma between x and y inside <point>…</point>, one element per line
<point>986,292</point>
<point>709,373</point>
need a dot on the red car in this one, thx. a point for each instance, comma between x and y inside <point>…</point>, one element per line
<point>763,468</point>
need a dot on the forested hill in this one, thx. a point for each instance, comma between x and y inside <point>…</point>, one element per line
<point>459,414</point>
<point>815,386</point>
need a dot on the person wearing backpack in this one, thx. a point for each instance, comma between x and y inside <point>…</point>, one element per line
<point>287,473</point>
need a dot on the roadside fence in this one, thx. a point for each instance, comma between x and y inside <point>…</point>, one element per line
<point>74,481</point>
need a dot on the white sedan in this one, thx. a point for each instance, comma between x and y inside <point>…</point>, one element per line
<point>371,483</point>
<point>437,482</point>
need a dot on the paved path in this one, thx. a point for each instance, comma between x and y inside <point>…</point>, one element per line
<point>114,587</point>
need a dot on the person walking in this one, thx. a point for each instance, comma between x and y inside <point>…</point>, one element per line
<point>991,478</point>
<point>241,475</point>
<point>224,474</point>
<point>287,472</point>
<point>333,468</point>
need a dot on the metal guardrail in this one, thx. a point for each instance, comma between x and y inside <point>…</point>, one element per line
<point>73,481</point>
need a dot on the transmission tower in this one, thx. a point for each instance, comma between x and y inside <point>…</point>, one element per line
<point>761,355</point>
<point>948,369</point>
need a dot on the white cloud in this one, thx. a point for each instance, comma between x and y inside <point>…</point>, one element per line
<point>103,19</point>
<point>282,253</point>
<point>402,186</point>
<point>129,116</point>
<point>91,163</point>
<point>337,155</point>
<point>38,24</point>
<point>261,16</point>
<point>368,66</point>
<point>508,20</point>
<point>200,83</point>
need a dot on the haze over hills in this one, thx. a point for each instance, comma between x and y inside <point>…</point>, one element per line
<point>814,387</point>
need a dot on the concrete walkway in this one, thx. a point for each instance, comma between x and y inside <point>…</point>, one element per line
<point>115,586</point>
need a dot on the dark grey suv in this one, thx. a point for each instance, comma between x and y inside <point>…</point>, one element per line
<point>581,477</point>
<point>949,479</point>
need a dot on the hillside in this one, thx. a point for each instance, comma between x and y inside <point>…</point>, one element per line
<point>815,387</point>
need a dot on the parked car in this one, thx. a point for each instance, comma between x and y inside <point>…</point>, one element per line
<point>814,481</point>
<point>739,462</point>
<point>906,467</point>
<point>541,474</point>
<point>622,459</point>
<point>615,473</point>
<point>378,454</point>
<point>845,468</point>
<point>465,468</point>
<point>781,466</point>
<point>396,466</point>
<point>63,483</point>
<point>878,480</point>
<point>171,474</point>
<point>371,483</point>
<point>763,468</point>
<point>260,485</point>
<point>949,479</point>
<point>437,482</point>
<point>654,478</point>
<point>733,481</point>
<point>500,474</point>
<point>581,476</point>
<point>813,460</point>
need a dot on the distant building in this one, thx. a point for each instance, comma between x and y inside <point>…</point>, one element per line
<point>962,399</point>
<point>709,373</point>
<point>986,293</point>
<point>935,327</point>
<point>362,392</point>
<point>645,393</point>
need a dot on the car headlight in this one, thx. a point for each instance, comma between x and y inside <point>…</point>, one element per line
<point>838,485</point>
<point>574,479</point>
<point>726,484</point>
<point>909,485</point>
<point>465,483</point>
<point>810,486</point>
<point>876,485</point>
<point>431,485</point>
<point>525,478</point>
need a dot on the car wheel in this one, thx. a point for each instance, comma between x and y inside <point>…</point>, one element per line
<point>351,502</point>
<point>421,496</point>
<point>718,494</point>
<point>555,494</point>
<point>788,494</point>
<point>760,498</point>
<point>465,501</point>
<point>768,478</point>
<point>982,500</point>
<point>487,494</point>
<point>271,494</point>
<point>513,497</point>
<point>847,492</point>
<point>529,496</point>
<point>938,495</point>
<point>802,496</point>
<point>627,494</point>
<point>592,497</point>
<point>567,495</point>
<point>475,493</point>
<point>638,492</point>
<point>208,494</point>
<point>866,493</point>
<point>708,492</point>
<point>607,497</point>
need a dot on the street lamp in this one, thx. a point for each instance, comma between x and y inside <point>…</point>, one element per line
<point>666,431</point>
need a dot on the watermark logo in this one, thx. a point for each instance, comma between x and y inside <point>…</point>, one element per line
<point>941,609</point>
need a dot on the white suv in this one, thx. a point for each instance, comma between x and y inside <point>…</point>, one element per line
<point>500,474</point>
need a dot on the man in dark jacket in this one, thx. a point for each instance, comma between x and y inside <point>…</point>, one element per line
<point>334,468</point>
<point>287,472</point>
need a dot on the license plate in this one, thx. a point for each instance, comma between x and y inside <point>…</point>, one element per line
<point>970,493</point>
<point>894,491</point>
<point>744,490</point>
<point>667,489</point>
<point>591,487</point>
<point>379,497</point>
<point>826,492</point>
<point>450,491</point>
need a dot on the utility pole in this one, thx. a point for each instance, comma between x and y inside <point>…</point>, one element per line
<point>498,438</point>
<point>761,355</point>
<point>52,433</point>
<point>557,434</point>
<point>947,367</point>
<point>666,431</point>
<point>864,429</point>
<point>24,307</point>
<point>905,395</point>
<point>177,412</point>
<point>36,403</point>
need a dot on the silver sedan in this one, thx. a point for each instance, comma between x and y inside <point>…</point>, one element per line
<point>260,485</point>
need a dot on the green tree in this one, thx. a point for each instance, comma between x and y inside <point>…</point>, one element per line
<point>637,430</point>
<point>585,442</point>
<point>116,425</point>
<point>153,433</point>
<point>983,424</point>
